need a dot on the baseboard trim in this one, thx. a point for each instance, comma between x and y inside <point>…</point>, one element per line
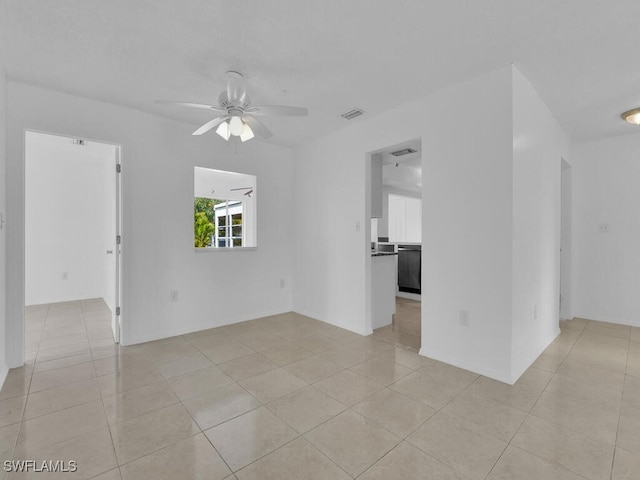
<point>4,371</point>
<point>615,321</point>
<point>204,326</point>
<point>531,361</point>
<point>315,316</point>
<point>509,379</point>
<point>487,372</point>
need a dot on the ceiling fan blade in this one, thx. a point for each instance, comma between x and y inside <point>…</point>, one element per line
<point>209,125</point>
<point>257,126</point>
<point>278,110</point>
<point>191,105</point>
<point>236,88</point>
<point>241,188</point>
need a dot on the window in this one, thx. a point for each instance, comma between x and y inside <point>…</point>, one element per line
<point>224,209</point>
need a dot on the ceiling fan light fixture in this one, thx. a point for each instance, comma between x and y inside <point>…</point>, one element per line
<point>247,133</point>
<point>224,131</point>
<point>632,116</point>
<point>236,112</point>
<point>235,126</point>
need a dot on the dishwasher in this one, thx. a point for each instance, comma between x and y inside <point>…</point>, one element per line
<point>409,268</point>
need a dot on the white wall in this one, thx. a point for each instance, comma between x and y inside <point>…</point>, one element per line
<point>606,266</point>
<point>3,212</point>
<point>467,176</point>
<point>159,155</point>
<point>70,204</point>
<point>539,145</point>
<point>491,222</point>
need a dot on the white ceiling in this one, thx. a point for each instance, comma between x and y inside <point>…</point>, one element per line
<point>403,172</point>
<point>329,55</point>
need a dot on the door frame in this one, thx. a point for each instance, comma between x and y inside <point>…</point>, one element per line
<point>118,172</point>
<point>566,210</point>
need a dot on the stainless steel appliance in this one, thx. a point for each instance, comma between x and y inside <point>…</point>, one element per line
<point>409,268</point>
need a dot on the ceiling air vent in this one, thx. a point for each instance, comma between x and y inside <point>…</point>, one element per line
<point>404,151</point>
<point>351,114</point>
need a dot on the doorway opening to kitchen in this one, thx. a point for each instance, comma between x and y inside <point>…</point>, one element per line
<point>72,247</point>
<point>396,243</point>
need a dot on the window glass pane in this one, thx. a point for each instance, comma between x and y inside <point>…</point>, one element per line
<point>224,209</point>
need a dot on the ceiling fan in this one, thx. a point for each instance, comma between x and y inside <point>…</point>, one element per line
<point>248,193</point>
<point>237,114</point>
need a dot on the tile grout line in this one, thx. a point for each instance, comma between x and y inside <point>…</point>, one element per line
<point>104,410</point>
<point>624,384</point>
<point>317,354</point>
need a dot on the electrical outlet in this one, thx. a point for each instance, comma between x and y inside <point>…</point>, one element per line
<point>173,296</point>
<point>65,275</point>
<point>464,318</point>
<point>604,228</point>
<point>357,226</point>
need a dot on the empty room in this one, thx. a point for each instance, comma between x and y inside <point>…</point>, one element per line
<point>319,240</point>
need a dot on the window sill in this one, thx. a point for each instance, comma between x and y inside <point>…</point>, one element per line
<point>225,249</point>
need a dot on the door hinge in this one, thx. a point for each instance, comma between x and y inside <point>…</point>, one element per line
<point>118,168</point>
<point>117,311</point>
<point>118,239</point>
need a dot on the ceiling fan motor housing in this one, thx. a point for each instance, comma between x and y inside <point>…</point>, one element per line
<point>224,102</point>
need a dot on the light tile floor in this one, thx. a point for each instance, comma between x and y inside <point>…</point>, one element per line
<point>287,397</point>
<point>406,327</point>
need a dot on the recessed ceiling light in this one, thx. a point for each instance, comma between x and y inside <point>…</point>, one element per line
<point>632,116</point>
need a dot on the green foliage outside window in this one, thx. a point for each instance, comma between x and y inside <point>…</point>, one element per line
<point>203,221</point>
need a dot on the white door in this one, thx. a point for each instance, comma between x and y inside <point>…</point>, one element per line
<point>115,250</point>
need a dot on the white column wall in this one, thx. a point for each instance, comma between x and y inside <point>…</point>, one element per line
<point>539,145</point>
<point>467,201</point>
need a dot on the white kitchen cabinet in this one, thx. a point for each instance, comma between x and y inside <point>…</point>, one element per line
<point>405,219</point>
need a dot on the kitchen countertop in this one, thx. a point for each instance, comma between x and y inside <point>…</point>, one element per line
<point>375,253</point>
<point>399,243</point>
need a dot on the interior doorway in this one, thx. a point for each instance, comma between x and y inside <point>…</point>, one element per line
<point>72,243</point>
<point>396,227</point>
<point>565,241</point>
